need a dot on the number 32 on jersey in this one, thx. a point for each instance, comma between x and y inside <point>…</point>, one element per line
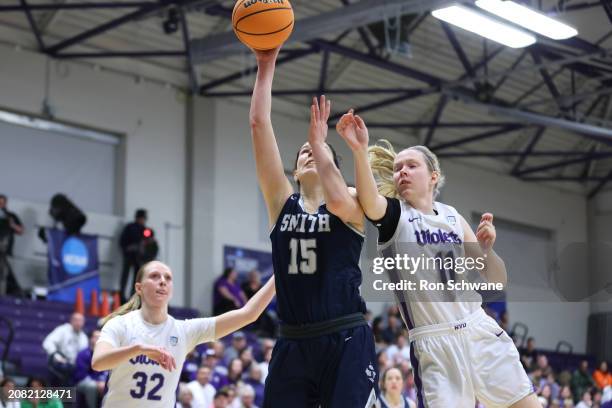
<point>306,249</point>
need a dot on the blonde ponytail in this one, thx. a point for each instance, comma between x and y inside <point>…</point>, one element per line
<point>133,304</point>
<point>382,157</point>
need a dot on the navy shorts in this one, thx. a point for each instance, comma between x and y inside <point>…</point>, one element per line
<point>336,370</point>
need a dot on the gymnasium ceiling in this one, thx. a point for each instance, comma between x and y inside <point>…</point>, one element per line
<point>542,114</point>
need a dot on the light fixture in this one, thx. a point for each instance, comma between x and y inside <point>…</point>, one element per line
<point>478,23</point>
<point>528,18</point>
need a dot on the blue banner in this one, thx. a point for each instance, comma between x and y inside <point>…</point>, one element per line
<point>73,264</point>
<point>245,260</point>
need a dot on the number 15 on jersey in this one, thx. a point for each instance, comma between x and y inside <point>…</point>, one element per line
<point>305,250</point>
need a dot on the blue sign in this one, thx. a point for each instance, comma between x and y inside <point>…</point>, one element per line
<point>73,264</point>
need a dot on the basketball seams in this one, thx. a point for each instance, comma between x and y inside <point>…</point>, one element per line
<point>236,7</point>
<point>258,12</point>
<point>272,32</point>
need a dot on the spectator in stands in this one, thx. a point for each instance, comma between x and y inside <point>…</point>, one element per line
<point>239,343</point>
<point>265,364</point>
<point>391,386</point>
<point>529,354</point>
<point>377,329</point>
<point>39,384</point>
<point>410,390</point>
<point>246,356</point>
<point>586,400</point>
<point>247,396</point>
<point>265,322</point>
<point>6,386</point>
<point>190,367</point>
<point>252,284</point>
<point>544,396</point>
<point>234,371</point>
<point>185,398</point>
<point>201,389</point>
<point>221,399</point>
<point>89,382</point>
<point>132,246</point>
<point>218,378</point>
<point>602,377</point>
<point>62,346</point>
<point>581,380</point>
<point>393,329</point>
<point>10,224</point>
<point>400,350</point>
<point>383,361</point>
<point>255,380</point>
<point>227,293</point>
<point>565,397</point>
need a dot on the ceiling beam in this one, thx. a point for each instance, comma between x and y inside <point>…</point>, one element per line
<point>355,15</point>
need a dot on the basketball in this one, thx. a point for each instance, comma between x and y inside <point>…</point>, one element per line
<point>262,24</point>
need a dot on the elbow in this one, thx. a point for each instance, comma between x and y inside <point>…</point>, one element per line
<point>257,121</point>
<point>95,364</point>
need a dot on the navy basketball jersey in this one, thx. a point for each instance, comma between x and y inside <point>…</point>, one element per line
<point>316,265</point>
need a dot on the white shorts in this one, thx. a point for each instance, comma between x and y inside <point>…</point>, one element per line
<point>456,363</point>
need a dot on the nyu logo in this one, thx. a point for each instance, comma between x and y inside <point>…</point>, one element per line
<point>75,257</point>
<point>436,237</point>
<point>460,326</point>
<point>142,359</point>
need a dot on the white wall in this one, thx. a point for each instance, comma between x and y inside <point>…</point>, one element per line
<point>151,117</point>
<point>237,216</point>
<point>562,213</point>
<point>600,234</point>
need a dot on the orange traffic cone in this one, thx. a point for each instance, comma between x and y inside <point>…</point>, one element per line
<point>105,308</point>
<point>116,301</point>
<point>79,304</point>
<point>93,306</point>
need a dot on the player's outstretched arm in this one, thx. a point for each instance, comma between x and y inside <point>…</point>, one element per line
<point>270,171</point>
<point>338,199</point>
<point>236,319</point>
<point>107,357</point>
<point>495,268</point>
<point>355,133</point>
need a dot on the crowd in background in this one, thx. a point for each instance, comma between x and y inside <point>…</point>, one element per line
<point>231,373</point>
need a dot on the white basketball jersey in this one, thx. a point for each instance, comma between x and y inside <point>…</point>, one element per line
<point>140,382</point>
<point>430,237</point>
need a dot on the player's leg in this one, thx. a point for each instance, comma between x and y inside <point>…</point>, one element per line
<point>441,372</point>
<point>500,379</point>
<point>288,383</point>
<point>351,377</point>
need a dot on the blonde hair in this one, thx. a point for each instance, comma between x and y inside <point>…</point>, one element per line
<point>134,303</point>
<point>382,157</point>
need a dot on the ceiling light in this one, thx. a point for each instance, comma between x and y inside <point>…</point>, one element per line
<point>528,18</point>
<point>478,23</point>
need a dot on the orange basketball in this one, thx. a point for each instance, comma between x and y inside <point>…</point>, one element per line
<point>262,24</point>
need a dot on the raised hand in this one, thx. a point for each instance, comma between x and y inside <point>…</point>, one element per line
<point>319,113</point>
<point>485,234</point>
<point>160,355</point>
<point>353,130</point>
